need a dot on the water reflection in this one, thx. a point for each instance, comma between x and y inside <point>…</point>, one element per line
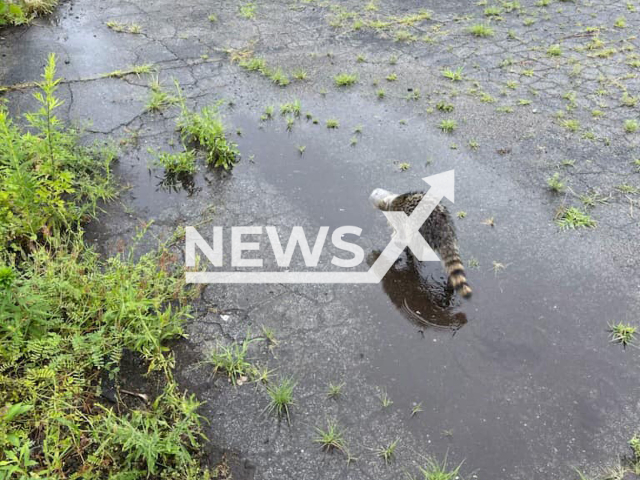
<point>422,299</point>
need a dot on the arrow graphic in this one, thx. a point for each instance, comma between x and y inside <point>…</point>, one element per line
<point>407,234</point>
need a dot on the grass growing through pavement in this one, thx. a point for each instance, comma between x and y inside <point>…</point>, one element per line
<point>387,452</point>
<point>232,360</point>
<point>206,129</point>
<point>335,390</point>
<point>453,75</point>
<point>345,79</point>
<point>448,125</point>
<point>573,218</point>
<point>622,333</point>
<point>177,163</point>
<point>159,99</point>
<point>555,183</point>
<point>331,438</point>
<point>281,398</point>
<point>481,30</point>
<point>67,316</point>
<point>434,470</point>
<point>21,11</point>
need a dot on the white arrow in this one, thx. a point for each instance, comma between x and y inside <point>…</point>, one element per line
<point>408,227</point>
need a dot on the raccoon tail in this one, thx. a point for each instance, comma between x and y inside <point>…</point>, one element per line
<point>455,270</point>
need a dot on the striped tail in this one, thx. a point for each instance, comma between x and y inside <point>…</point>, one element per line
<point>455,270</point>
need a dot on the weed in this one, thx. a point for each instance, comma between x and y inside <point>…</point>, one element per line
<point>47,183</point>
<point>354,141</point>
<point>554,50</point>
<point>628,100</point>
<point>332,438</point>
<point>134,70</point>
<point>301,149</point>
<point>404,36</point>
<point>232,360</point>
<point>491,222</point>
<point>493,11</point>
<point>473,263</point>
<point>497,267</point>
<point>434,470</point>
<point>281,398</point>
<point>404,166</point>
<point>248,10</point>
<point>300,74</point>
<point>414,95</point>
<point>621,22</point>
<point>332,123</point>
<point>212,18</point>
<point>593,198</point>
<point>573,218</point>
<point>67,316</point>
<point>279,78</point>
<point>206,129</point>
<point>392,77</point>
<point>631,125</point>
<point>393,60</point>
<point>291,108</point>
<point>177,163</point>
<point>572,124</point>
<point>387,453</point>
<point>481,30</point>
<point>461,214</point>
<point>417,408</point>
<point>124,27</point>
<point>555,183</point>
<point>384,399</point>
<point>335,390</point>
<point>345,79</point>
<point>268,333</point>
<point>628,189</point>
<point>380,93</point>
<point>255,64</point>
<point>268,113</point>
<point>358,130</point>
<point>622,333</point>
<point>445,107</point>
<point>453,75</point>
<point>448,125</point>
<point>290,122</point>
<point>159,98</point>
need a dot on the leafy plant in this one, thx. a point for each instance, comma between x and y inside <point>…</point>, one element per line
<point>345,79</point>
<point>572,218</point>
<point>67,316</point>
<point>48,183</point>
<point>207,130</point>
<point>177,163</point>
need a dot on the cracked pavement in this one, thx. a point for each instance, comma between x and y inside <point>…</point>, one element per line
<point>521,382</point>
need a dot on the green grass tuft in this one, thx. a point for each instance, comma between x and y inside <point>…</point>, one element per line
<point>481,30</point>
<point>281,398</point>
<point>345,79</point>
<point>573,218</point>
<point>207,130</point>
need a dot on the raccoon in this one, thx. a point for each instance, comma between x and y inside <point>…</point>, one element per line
<point>438,231</point>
